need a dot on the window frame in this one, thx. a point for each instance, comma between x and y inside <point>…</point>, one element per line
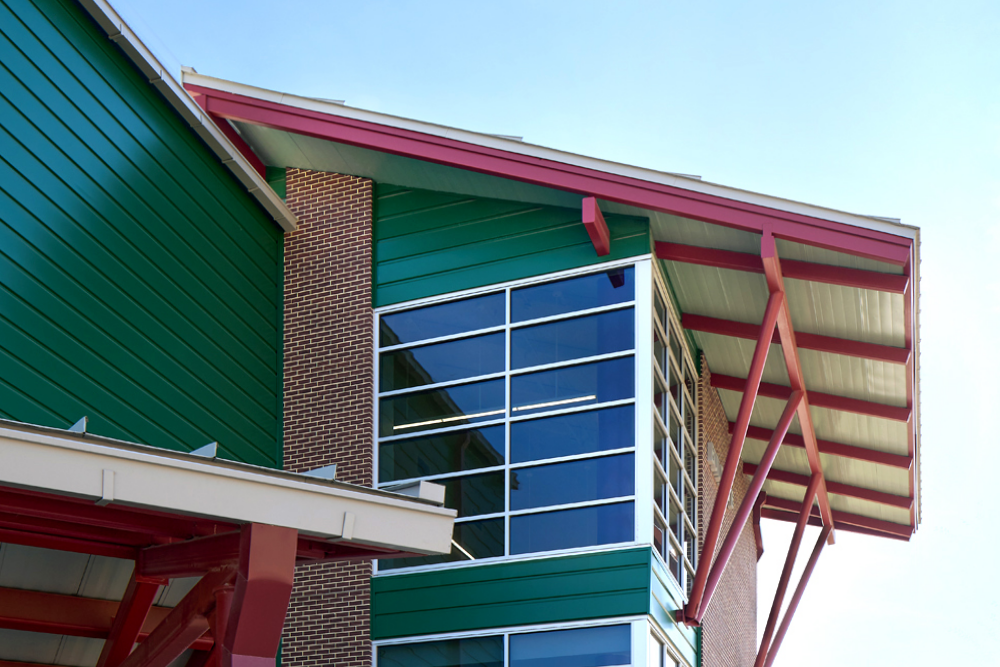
<point>641,354</point>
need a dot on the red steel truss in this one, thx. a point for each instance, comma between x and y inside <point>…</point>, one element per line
<point>232,618</point>
<point>777,325</point>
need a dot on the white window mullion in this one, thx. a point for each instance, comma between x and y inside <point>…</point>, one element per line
<point>644,432</point>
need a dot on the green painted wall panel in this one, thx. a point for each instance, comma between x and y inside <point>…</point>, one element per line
<point>429,243</point>
<point>550,590</point>
<point>139,283</point>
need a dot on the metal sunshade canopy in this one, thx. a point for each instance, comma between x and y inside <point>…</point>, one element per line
<point>806,315</point>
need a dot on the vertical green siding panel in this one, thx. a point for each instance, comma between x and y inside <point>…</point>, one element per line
<point>429,243</point>
<point>551,590</point>
<point>139,283</point>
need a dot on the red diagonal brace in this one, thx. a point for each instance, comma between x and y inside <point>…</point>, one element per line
<point>733,457</point>
<point>132,612</point>
<point>797,596</point>
<point>789,349</point>
<point>786,572</point>
<point>749,500</point>
<point>187,622</point>
<point>260,601</point>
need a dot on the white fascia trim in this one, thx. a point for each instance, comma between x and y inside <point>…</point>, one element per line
<point>694,184</point>
<point>159,76</point>
<point>139,476</point>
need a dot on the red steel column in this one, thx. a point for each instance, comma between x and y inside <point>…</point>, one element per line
<point>260,601</point>
<point>786,572</point>
<point>749,500</point>
<point>132,612</point>
<point>735,450</point>
<point>794,603</point>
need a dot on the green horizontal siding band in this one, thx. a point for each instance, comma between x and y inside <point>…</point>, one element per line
<point>549,590</point>
<point>428,243</point>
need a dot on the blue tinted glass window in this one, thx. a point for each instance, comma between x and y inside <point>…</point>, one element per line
<point>581,647</point>
<point>475,494</point>
<point>567,296</point>
<point>442,362</point>
<point>572,339</point>
<point>572,386</point>
<point>568,529</point>
<point>442,453</point>
<point>443,319</point>
<point>572,482</point>
<point>480,539</point>
<point>577,433</point>
<point>468,652</point>
<point>439,408</point>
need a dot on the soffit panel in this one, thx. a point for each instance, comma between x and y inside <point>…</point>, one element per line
<point>807,253</point>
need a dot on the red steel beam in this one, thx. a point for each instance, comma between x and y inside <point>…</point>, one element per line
<point>131,614</point>
<point>182,626</point>
<point>789,349</point>
<point>793,604</point>
<point>861,493</point>
<point>747,505</point>
<point>597,228</point>
<point>786,572</point>
<point>814,520</point>
<point>191,558</point>
<point>71,615</point>
<point>452,152</point>
<point>819,343</point>
<point>733,457</point>
<point>29,538</point>
<point>878,525</point>
<point>819,399</point>
<point>835,448</point>
<point>819,273</point>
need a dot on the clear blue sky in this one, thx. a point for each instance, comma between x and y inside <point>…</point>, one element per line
<point>885,108</point>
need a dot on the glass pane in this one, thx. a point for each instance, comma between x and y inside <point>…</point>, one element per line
<point>439,408</point>
<point>475,494</point>
<point>567,529</point>
<point>442,362</point>
<point>572,482</point>
<point>443,319</point>
<point>654,652</point>
<point>659,490</point>
<point>470,652</point>
<point>658,537</point>
<point>578,433</point>
<point>567,296</point>
<point>581,647</point>
<point>572,339</point>
<point>480,539</point>
<point>439,454</point>
<point>573,386</point>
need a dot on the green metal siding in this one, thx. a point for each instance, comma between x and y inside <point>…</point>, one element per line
<point>429,243</point>
<point>139,283</point>
<point>551,590</point>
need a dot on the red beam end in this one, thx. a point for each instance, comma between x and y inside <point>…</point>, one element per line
<point>597,228</point>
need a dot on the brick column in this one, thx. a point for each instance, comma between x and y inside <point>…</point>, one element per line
<point>729,629</point>
<point>328,397</point>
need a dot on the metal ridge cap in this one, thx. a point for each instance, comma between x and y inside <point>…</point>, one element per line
<point>528,149</point>
<point>160,78</point>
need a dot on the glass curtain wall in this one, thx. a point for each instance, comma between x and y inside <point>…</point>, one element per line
<point>521,402</point>
<point>675,442</point>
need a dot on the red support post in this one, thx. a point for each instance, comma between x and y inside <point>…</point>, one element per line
<point>597,228</point>
<point>260,601</point>
<point>733,457</point>
<point>749,500</point>
<point>797,596</point>
<point>129,619</point>
<point>786,572</point>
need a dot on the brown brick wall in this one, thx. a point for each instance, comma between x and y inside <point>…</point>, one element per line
<point>729,628</point>
<point>328,397</point>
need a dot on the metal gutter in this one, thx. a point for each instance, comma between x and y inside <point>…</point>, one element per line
<point>159,76</point>
<point>693,184</point>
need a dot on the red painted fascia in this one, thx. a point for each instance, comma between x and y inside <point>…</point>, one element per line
<point>584,181</point>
